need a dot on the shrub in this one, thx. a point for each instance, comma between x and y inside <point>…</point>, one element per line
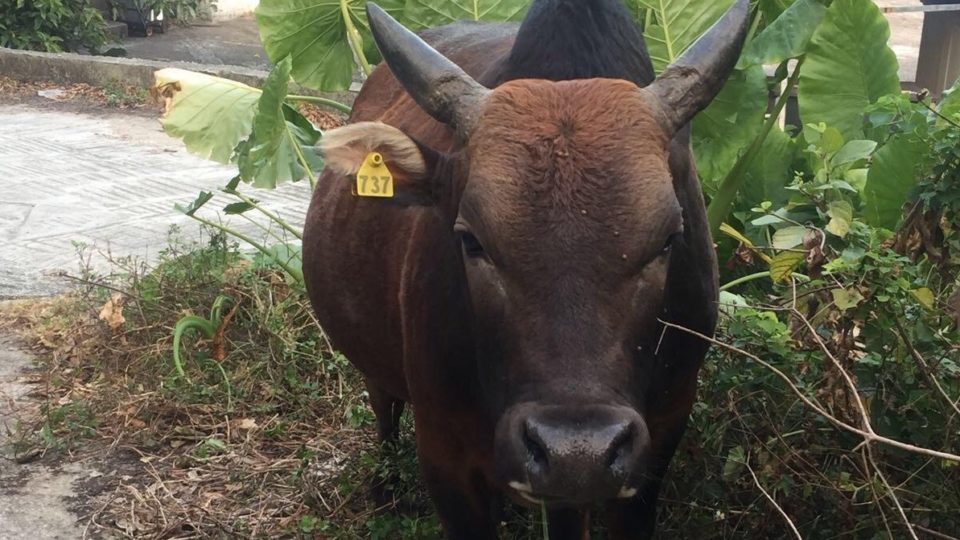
<point>51,25</point>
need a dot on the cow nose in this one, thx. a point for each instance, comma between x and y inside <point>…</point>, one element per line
<point>581,455</point>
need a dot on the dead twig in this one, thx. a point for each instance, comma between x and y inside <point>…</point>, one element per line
<point>924,367</point>
<point>773,501</point>
<point>868,436</point>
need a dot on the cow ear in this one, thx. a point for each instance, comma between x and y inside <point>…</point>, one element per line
<point>412,165</point>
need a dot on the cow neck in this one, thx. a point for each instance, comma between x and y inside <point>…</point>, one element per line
<point>578,39</point>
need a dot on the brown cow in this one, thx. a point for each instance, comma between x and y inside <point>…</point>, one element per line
<point>511,288</point>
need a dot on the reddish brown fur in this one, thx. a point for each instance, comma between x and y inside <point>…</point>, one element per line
<point>546,186</point>
<point>552,152</point>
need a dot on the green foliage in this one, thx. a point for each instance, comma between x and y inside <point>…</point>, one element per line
<point>51,25</point>
<point>280,146</point>
<point>950,102</point>
<point>876,299</point>
<point>429,13</point>
<point>848,67</point>
<point>676,24</point>
<point>284,254</point>
<point>723,131</point>
<point>329,41</point>
<point>315,35</point>
<point>118,94</point>
<point>787,36</point>
<point>892,175</point>
<point>212,115</point>
<point>207,326</point>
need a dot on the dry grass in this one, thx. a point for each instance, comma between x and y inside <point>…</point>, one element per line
<point>257,447</point>
<point>112,94</point>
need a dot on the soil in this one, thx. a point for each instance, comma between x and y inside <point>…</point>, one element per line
<point>76,98</point>
<point>49,495</point>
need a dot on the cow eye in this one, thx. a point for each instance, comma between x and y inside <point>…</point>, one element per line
<point>669,243</point>
<point>471,246</point>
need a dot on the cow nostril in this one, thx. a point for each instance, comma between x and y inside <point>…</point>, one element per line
<point>535,449</point>
<point>619,450</point>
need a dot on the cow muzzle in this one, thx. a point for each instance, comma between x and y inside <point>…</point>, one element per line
<point>570,456</point>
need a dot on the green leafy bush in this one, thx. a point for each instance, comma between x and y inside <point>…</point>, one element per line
<point>862,320</point>
<point>51,25</point>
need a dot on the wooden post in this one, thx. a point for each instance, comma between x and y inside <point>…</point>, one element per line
<point>939,63</point>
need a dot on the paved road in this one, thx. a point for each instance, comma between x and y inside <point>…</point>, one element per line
<point>234,42</point>
<point>109,181</point>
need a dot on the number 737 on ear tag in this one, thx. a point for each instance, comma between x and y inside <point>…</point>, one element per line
<point>374,178</point>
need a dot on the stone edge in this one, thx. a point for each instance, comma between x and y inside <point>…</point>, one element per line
<point>69,68</point>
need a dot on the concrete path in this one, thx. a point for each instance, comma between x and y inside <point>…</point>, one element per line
<point>109,181</point>
<point>233,42</point>
<point>34,499</point>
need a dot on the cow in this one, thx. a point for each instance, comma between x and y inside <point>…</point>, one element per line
<point>546,219</point>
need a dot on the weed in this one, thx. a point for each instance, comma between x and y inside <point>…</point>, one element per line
<point>124,96</point>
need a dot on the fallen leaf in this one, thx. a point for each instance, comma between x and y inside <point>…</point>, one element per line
<point>112,312</point>
<point>246,424</point>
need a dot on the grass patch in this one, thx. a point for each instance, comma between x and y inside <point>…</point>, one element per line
<point>117,94</point>
<point>267,434</point>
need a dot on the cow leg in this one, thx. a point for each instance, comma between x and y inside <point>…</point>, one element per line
<point>460,493</point>
<point>566,524</point>
<point>387,410</point>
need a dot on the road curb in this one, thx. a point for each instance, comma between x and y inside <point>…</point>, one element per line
<point>77,68</point>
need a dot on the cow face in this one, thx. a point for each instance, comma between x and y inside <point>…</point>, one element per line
<point>566,224</point>
<point>565,214</point>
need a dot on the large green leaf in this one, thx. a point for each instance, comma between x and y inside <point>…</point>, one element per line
<point>848,67</point>
<point>726,128</point>
<point>637,9</point>
<point>772,9</point>
<point>281,137</point>
<point>892,175</point>
<point>770,173</point>
<point>950,101</point>
<point>314,35</point>
<point>210,114</point>
<point>677,24</point>
<point>786,37</point>
<point>428,13</point>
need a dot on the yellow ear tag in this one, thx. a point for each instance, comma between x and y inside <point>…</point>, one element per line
<point>374,178</point>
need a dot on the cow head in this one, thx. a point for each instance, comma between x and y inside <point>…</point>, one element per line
<point>565,213</point>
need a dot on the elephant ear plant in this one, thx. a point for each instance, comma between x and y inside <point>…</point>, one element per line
<point>739,145</point>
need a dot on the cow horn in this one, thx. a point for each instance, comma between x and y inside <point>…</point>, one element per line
<point>691,82</point>
<point>438,85</point>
